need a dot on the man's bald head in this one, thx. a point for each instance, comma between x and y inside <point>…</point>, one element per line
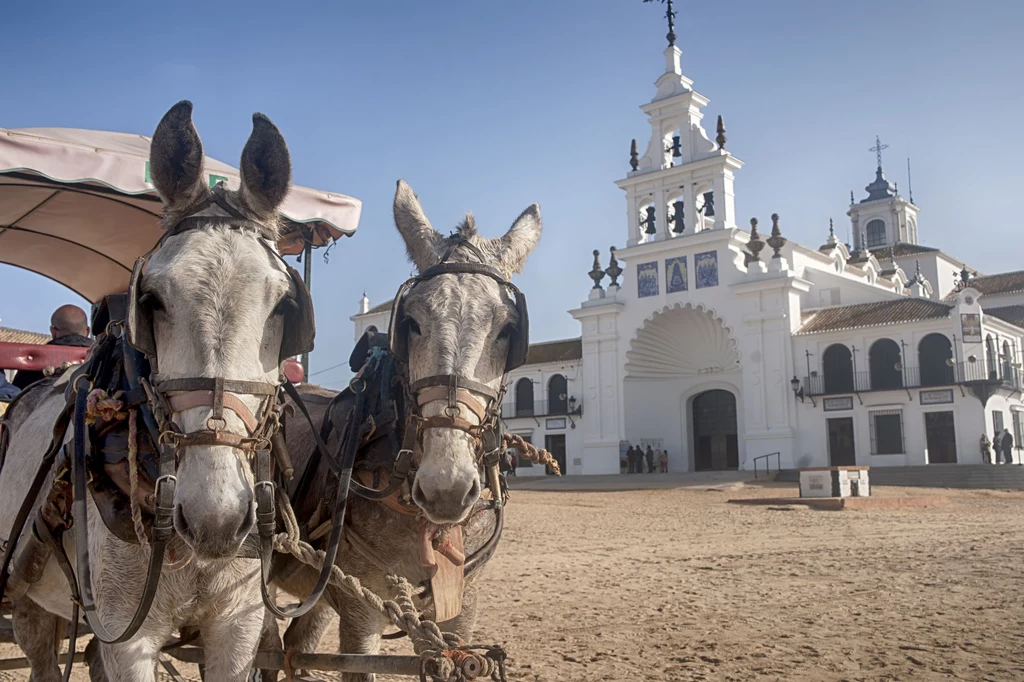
<point>67,320</point>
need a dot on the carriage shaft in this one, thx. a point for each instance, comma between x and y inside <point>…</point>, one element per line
<point>342,663</point>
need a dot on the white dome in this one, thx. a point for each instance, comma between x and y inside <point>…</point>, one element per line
<point>681,341</point>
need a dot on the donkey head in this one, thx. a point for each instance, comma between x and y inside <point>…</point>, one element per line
<point>460,324</point>
<point>214,299</point>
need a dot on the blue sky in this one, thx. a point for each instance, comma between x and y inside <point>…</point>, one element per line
<point>490,106</point>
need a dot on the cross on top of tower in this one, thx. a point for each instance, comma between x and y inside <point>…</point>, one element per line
<point>878,149</point>
<point>671,16</point>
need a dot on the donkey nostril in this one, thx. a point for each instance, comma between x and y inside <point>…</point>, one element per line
<point>247,523</point>
<point>180,524</point>
<point>473,494</point>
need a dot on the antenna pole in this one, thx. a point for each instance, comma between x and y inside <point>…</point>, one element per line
<point>909,185</point>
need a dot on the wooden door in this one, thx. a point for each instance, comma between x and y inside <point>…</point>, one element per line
<point>841,451</point>
<point>940,435</point>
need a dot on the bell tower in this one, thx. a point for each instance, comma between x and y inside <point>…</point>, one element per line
<point>883,218</point>
<point>683,182</point>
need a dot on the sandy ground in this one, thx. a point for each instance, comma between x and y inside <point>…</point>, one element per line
<point>667,585</point>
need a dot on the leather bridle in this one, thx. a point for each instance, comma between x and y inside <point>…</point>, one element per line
<point>460,394</point>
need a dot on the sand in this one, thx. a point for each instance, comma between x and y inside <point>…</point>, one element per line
<point>663,585</point>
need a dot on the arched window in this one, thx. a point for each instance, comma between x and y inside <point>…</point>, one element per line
<point>524,398</point>
<point>886,365</point>
<point>837,363</point>
<point>876,233</point>
<point>558,395</point>
<point>935,359</point>
<point>990,353</point>
<point>1007,363</point>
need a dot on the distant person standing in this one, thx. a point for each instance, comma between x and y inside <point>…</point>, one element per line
<point>1006,445</point>
<point>630,460</point>
<point>69,326</point>
<point>985,446</point>
<point>650,459</point>
<point>663,460</point>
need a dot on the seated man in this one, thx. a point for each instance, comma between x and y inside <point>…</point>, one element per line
<point>69,326</point>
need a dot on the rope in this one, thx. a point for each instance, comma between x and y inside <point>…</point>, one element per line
<point>432,645</point>
<point>133,478</point>
<point>530,452</point>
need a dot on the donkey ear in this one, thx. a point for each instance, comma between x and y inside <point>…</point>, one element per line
<point>518,242</point>
<point>176,158</point>
<point>266,168</point>
<point>420,238</point>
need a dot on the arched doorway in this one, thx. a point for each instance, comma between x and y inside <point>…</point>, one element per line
<point>715,441</point>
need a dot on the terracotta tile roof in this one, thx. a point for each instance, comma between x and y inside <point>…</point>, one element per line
<point>379,308</point>
<point>1014,314</point>
<point>1003,283</point>
<point>555,351</point>
<point>20,336</point>
<point>900,250</point>
<point>873,315</point>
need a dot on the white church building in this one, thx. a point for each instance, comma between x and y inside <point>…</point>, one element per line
<point>726,344</point>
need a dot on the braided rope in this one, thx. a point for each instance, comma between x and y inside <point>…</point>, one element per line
<point>530,452</point>
<point>429,641</point>
<point>133,478</point>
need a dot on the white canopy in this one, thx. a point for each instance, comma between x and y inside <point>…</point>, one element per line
<point>77,206</point>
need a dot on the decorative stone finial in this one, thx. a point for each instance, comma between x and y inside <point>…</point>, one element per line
<point>831,229</point>
<point>634,155</point>
<point>597,274</point>
<point>776,241</point>
<point>720,139</point>
<point>756,244</point>
<point>613,270</point>
<point>364,304</point>
<point>892,254</point>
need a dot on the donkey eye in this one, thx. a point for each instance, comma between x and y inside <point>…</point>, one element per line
<point>286,306</point>
<point>151,301</point>
<point>507,331</point>
<point>411,326</point>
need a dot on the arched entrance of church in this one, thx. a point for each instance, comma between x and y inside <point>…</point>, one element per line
<point>715,439</point>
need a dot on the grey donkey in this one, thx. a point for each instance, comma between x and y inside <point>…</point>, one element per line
<point>456,324</point>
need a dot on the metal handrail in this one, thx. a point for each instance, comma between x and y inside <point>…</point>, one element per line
<point>767,463</point>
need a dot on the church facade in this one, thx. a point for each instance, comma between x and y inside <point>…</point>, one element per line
<point>729,345</point>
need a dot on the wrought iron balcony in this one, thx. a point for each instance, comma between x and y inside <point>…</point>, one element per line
<point>900,378</point>
<point>538,408</point>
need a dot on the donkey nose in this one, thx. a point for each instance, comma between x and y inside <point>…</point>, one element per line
<point>446,501</point>
<point>215,537</point>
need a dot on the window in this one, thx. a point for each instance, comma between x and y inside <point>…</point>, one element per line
<point>524,398</point>
<point>1007,359</point>
<point>935,358</point>
<point>876,234</point>
<point>990,357</point>
<point>837,363</point>
<point>558,395</point>
<point>1016,430</point>
<point>887,432</point>
<point>997,422</point>
<point>886,365</point>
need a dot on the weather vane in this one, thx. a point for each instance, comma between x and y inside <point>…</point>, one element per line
<point>877,148</point>
<point>671,16</point>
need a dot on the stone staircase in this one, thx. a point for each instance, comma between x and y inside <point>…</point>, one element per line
<point>998,477</point>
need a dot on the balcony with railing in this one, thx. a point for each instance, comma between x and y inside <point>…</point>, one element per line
<point>950,374</point>
<point>536,408</point>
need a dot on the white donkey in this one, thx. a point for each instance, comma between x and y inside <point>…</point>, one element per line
<point>216,297</point>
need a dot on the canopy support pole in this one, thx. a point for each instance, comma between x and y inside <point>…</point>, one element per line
<point>307,276</point>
